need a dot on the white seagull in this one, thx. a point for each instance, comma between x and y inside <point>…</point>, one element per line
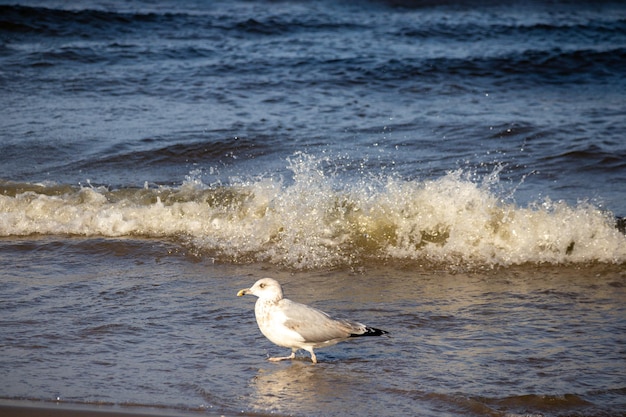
<point>298,326</point>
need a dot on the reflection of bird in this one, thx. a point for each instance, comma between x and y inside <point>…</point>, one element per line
<point>298,389</point>
<point>298,326</point>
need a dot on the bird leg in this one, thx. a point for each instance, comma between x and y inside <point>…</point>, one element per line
<point>282,358</point>
<point>313,357</point>
<point>293,355</point>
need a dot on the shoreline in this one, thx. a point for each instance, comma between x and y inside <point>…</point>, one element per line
<point>32,408</point>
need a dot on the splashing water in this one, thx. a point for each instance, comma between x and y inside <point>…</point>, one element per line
<point>316,219</point>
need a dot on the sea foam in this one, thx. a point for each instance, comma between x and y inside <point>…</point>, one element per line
<point>317,219</point>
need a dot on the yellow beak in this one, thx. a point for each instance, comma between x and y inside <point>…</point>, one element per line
<point>243,292</point>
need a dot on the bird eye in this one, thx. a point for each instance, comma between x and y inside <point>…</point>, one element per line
<point>262,285</point>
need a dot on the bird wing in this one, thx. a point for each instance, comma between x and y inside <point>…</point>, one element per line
<point>314,325</point>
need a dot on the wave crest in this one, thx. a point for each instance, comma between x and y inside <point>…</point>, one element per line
<point>317,220</point>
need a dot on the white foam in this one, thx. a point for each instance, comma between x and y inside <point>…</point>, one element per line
<point>317,220</point>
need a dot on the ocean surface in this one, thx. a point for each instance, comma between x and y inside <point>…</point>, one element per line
<point>453,172</point>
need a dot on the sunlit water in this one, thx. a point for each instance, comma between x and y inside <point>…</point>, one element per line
<point>453,173</point>
<point>139,322</point>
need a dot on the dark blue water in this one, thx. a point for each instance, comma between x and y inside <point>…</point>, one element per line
<point>302,139</point>
<point>128,92</point>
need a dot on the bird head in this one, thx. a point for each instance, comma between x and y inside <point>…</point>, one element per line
<point>266,288</point>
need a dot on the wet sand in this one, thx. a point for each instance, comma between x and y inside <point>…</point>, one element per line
<point>14,408</point>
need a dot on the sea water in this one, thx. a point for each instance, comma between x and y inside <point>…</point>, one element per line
<point>452,172</point>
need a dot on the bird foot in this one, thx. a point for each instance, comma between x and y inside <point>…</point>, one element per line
<point>282,358</point>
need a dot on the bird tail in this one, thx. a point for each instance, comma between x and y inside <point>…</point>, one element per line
<point>370,331</point>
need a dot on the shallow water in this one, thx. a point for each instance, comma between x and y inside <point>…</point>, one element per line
<point>139,322</point>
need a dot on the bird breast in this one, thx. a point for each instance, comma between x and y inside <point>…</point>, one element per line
<point>271,321</point>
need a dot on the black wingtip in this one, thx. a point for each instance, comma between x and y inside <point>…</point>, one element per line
<point>370,331</point>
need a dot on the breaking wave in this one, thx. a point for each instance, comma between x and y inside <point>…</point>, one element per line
<point>317,220</point>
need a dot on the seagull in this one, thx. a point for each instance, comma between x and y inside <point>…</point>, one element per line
<point>297,326</point>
